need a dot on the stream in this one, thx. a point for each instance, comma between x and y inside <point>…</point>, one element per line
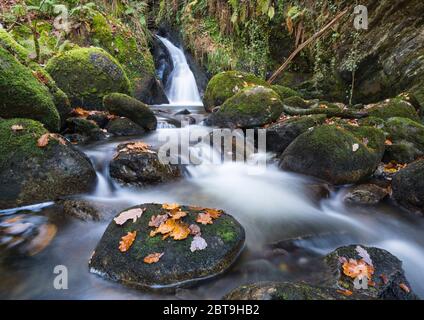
<point>272,206</point>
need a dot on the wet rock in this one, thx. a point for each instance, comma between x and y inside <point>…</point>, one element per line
<point>125,106</point>
<point>396,107</point>
<point>408,187</point>
<point>141,167</point>
<point>86,75</point>
<point>335,154</point>
<point>183,112</point>
<point>150,91</point>
<point>81,209</point>
<point>318,191</point>
<point>100,118</point>
<point>287,291</point>
<point>365,194</point>
<point>23,95</point>
<point>124,127</point>
<point>226,84</point>
<point>178,266</point>
<point>281,134</point>
<point>87,128</point>
<point>387,282</point>
<point>31,174</point>
<point>249,108</point>
<point>285,92</point>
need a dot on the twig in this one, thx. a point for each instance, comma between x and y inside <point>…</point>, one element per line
<point>305,44</point>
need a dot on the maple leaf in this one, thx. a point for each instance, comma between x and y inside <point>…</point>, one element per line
<point>133,214</point>
<point>137,147</point>
<point>171,206</point>
<point>156,221</point>
<point>164,228</point>
<point>354,268</point>
<point>181,231</point>
<point>214,213</point>
<point>204,218</point>
<point>198,243</point>
<point>17,127</point>
<point>194,229</point>
<point>364,255</point>
<point>176,215</point>
<point>127,241</point>
<point>153,258</point>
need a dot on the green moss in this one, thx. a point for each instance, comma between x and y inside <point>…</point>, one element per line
<point>285,92</point>
<point>297,102</point>
<point>227,84</point>
<point>372,122</point>
<point>403,129</point>
<point>395,107</point>
<point>23,95</point>
<point>86,75</point>
<point>22,143</point>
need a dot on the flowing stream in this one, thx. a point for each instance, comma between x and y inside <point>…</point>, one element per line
<point>272,207</point>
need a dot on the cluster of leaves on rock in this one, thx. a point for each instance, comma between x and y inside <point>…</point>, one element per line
<point>168,225</point>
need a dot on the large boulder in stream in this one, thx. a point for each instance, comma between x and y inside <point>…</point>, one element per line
<point>32,174</point>
<point>186,250</point>
<point>23,95</point>
<point>86,75</point>
<point>125,106</point>
<point>251,107</point>
<point>226,84</point>
<point>135,164</point>
<point>408,187</point>
<point>339,155</point>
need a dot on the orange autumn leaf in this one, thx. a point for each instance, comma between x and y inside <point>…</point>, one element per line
<point>138,146</point>
<point>354,268</point>
<point>43,141</point>
<point>171,206</point>
<point>176,215</point>
<point>164,228</point>
<point>204,218</point>
<point>127,241</point>
<point>181,231</point>
<point>172,228</point>
<point>405,288</point>
<point>214,213</point>
<point>388,142</point>
<point>153,258</point>
<point>346,293</point>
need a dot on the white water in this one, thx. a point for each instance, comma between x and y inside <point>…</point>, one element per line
<point>181,88</point>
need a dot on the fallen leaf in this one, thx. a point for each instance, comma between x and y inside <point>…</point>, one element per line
<point>137,147</point>
<point>204,218</point>
<point>198,243</point>
<point>127,241</point>
<point>133,214</point>
<point>80,112</point>
<point>355,147</point>
<point>405,288</point>
<point>41,77</point>
<point>354,268</point>
<point>393,167</point>
<point>153,258</point>
<point>384,278</point>
<point>171,206</point>
<point>17,127</point>
<point>346,293</point>
<point>164,228</point>
<point>364,255</point>
<point>180,232</point>
<point>156,221</point>
<point>176,215</point>
<point>43,141</point>
<point>388,142</point>
<point>194,229</point>
<point>214,213</point>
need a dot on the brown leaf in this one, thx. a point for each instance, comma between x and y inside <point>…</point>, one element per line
<point>405,288</point>
<point>171,206</point>
<point>353,268</point>
<point>17,127</point>
<point>133,214</point>
<point>180,231</point>
<point>164,228</point>
<point>214,213</point>
<point>43,141</point>
<point>127,241</point>
<point>153,258</point>
<point>204,218</point>
<point>156,221</point>
<point>346,293</point>
<point>176,215</point>
<point>194,230</point>
<point>384,278</point>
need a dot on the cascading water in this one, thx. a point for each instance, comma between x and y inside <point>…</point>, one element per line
<point>181,87</point>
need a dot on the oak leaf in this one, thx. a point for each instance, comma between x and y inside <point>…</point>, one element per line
<point>133,214</point>
<point>127,241</point>
<point>153,258</point>
<point>204,218</point>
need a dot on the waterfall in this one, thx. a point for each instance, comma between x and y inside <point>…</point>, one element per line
<point>181,87</point>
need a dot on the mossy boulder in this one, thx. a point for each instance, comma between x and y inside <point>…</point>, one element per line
<point>178,266</point>
<point>281,134</point>
<point>226,84</point>
<point>408,187</point>
<point>23,95</point>
<point>385,266</point>
<point>251,107</point>
<point>125,106</point>
<point>136,167</point>
<point>336,154</point>
<point>285,92</point>
<point>124,127</point>
<point>31,174</point>
<point>89,129</point>
<point>407,138</point>
<point>396,107</point>
<point>86,75</point>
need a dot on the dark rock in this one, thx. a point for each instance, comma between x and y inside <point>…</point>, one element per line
<point>125,106</point>
<point>408,187</point>
<point>30,174</point>
<point>150,91</point>
<point>81,209</point>
<point>178,266</point>
<point>124,127</point>
<point>365,194</point>
<point>101,118</point>
<point>182,112</point>
<point>318,191</point>
<point>141,168</point>
<point>335,154</point>
<point>87,128</point>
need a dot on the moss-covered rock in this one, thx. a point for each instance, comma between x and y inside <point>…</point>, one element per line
<point>281,134</point>
<point>226,84</point>
<point>407,138</point>
<point>23,95</point>
<point>178,266</point>
<point>408,187</point>
<point>297,102</point>
<point>86,75</point>
<point>124,127</point>
<point>89,129</point>
<point>125,106</point>
<point>339,155</point>
<point>30,174</point>
<point>251,107</point>
<point>395,107</point>
<point>285,92</point>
